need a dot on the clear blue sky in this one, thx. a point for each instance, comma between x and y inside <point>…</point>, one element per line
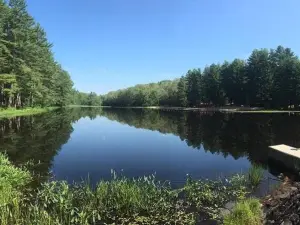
<point>110,44</point>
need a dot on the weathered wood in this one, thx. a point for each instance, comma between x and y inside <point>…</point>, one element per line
<point>288,150</point>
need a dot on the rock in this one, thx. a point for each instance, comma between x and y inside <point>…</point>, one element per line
<point>284,195</point>
<point>295,217</point>
<point>224,212</point>
<point>283,207</point>
<point>294,189</point>
<point>286,222</point>
<point>230,205</point>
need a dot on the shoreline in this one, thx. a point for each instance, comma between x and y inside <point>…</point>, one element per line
<point>204,109</point>
<point>12,112</point>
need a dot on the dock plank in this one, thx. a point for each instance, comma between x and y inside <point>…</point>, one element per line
<point>288,150</point>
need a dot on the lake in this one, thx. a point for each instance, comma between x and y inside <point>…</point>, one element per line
<point>77,144</point>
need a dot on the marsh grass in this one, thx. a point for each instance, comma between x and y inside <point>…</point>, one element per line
<point>245,212</point>
<point>119,201</point>
<point>210,195</point>
<point>255,175</point>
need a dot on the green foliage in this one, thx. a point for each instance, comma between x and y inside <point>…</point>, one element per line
<point>85,99</point>
<point>12,176</point>
<point>255,175</point>
<point>286,77</point>
<point>193,93</point>
<point>29,75</point>
<point>119,201</point>
<point>208,195</point>
<point>259,77</point>
<point>13,112</point>
<point>245,212</point>
<point>181,92</point>
<point>154,94</point>
<point>233,81</point>
<point>211,85</point>
<point>268,78</point>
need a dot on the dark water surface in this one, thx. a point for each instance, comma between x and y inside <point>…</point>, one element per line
<point>88,142</point>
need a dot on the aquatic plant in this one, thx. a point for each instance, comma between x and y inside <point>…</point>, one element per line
<point>119,201</point>
<point>245,212</point>
<point>255,175</point>
<point>209,195</point>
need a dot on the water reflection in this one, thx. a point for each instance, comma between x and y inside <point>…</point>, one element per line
<point>40,138</point>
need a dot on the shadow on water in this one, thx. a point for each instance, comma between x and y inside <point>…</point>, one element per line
<point>237,135</point>
<point>39,138</point>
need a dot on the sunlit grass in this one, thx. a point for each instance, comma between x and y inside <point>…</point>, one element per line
<point>245,212</point>
<point>12,112</point>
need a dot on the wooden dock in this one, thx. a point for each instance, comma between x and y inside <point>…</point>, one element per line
<point>288,150</point>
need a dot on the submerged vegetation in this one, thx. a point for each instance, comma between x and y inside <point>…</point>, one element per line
<point>118,201</point>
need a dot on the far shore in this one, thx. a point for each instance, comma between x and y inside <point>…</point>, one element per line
<point>12,112</point>
<point>209,109</point>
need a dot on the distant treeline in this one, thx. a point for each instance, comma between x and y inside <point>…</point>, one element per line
<point>87,99</point>
<point>268,78</point>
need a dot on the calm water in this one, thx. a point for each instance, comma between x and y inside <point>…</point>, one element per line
<point>78,143</point>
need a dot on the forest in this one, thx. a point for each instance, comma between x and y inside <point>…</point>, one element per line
<point>31,77</point>
<point>29,74</point>
<point>268,78</point>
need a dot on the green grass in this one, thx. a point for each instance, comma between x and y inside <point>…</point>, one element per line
<point>119,201</point>
<point>245,212</point>
<point>255,175</point>
<point>12,112</point>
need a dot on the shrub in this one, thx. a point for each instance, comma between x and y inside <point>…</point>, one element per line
<point>245,212</point>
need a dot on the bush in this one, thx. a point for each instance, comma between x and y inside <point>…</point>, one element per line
<point>245,212</point>
<point>12,176</point>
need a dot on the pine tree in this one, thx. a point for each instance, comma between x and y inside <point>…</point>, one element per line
<point>193,78</point>
<point>234,80</point>
<point>29,75</point>
<point>286,77</point>
<point>211,85</point>
<point>259,78</point>
<point>182,92</point>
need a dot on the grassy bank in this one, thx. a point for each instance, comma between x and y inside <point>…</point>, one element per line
<point>118,201</point>
<point>12,112</point>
